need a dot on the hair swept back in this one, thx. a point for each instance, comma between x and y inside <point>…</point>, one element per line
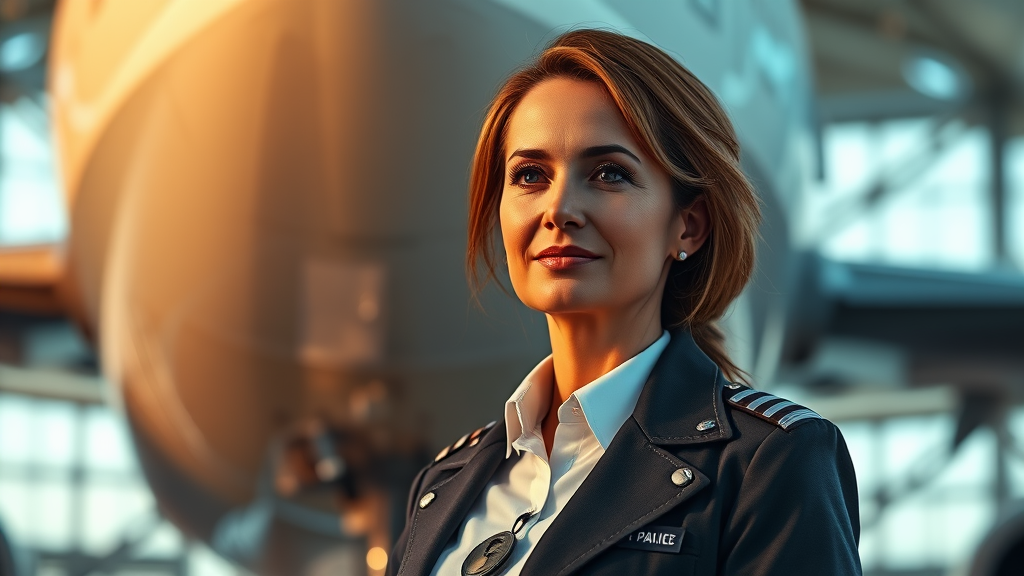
<point>681,124</point>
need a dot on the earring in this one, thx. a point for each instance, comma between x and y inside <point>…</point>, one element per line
<point>681,256</point>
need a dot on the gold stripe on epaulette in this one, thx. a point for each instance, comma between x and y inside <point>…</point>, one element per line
<point>779,411</point>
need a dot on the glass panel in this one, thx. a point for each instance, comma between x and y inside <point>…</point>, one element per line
<point>31,204</point>
<point>112,513</point>
<point>15,509</point>
<point>53,433</point>
<point>1015,203</point>
<point>912,444</point>
<point>940,524</point>
<point>906,542</point>
<point>959,528</point>
<point>928,192</point>
<point>15,426</point>
<point>107,446</point>
<point>973,466</point>
<point>52,506</point>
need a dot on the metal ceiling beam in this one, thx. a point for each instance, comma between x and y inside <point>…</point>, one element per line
<point>880,105</point>
<point>52,384</point>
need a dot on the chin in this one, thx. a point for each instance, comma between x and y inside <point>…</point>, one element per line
<point>565,298</point>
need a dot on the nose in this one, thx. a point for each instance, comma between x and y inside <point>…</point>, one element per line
<point>565,206</point>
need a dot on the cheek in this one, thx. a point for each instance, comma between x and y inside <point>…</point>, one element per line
<point>641,240</point>
<point>515,231</point>
<point>643,258</point>
<point>516,237</point>
<point>639,232</point>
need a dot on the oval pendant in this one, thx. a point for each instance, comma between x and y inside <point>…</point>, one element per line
<point>490,555</point>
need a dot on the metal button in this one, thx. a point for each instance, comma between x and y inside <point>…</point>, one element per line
<point>706,425</point>
<point>474,441</point>
<point>680,477</point>
<point>460,442</point>
<point>733,386</point>
<point>427,499</point>
<point>444,452</point>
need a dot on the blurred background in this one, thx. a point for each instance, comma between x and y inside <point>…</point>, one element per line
<point>233,315</point>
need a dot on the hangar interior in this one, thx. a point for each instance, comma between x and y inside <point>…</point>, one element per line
<point>919,115</point>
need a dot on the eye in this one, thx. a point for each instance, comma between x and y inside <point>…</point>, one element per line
<point>530,176</point>
<point>526,175</point>
<point>613,173</point>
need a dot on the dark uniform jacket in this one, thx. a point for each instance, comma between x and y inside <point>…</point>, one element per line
<point>752,485</point>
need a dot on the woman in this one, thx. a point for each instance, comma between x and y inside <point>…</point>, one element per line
<point>614,176</point>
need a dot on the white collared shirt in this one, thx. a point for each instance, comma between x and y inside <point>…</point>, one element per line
<point>528,480</point>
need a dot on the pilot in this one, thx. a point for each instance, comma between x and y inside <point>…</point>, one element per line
<point>613,175</point>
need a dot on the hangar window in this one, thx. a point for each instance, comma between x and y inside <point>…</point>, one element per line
<point>71,494</point>
<point>915,192</point>
<point>31,205</point>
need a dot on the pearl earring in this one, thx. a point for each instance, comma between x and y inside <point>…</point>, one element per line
<point>681,256</point>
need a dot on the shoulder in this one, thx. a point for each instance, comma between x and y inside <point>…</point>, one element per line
<point>790,489</point>
<point>468,440</point>
<point>775,410</point>
<point>782,438</point>
<point>462,447</point>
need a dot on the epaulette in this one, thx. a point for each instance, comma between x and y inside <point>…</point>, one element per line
<point>779,411</point>
<point>471,439</point>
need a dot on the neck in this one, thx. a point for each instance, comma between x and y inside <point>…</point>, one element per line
<point>587,346</point>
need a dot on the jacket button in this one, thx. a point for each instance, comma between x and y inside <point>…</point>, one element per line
<point>680,477</point>
<point>706,425</point>
<point>427,499</point>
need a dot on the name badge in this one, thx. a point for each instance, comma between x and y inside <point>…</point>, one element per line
<point>655,539</point>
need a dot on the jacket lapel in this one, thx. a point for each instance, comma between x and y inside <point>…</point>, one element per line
<point>632,483</point>
<point>683,390</point>
<point>456,483</point>
<point>630,486</point>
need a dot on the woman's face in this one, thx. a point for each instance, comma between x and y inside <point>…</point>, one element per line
<point>587,218</point>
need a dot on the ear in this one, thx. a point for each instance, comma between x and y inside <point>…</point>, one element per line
<point>693,226</point>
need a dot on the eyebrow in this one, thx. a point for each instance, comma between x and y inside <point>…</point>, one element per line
<point>538,154</point>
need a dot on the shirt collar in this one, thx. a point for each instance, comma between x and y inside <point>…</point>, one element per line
<point>606,402</point>
<point>528,405</point>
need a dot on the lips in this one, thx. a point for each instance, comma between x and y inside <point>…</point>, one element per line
<point>564,257</point>
<point>569,251</point>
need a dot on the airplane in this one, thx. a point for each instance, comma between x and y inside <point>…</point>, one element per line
<point>267,206</point>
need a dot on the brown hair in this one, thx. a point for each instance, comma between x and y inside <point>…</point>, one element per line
<point>681,124</point>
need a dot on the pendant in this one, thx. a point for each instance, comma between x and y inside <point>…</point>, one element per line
<point>489,557</point>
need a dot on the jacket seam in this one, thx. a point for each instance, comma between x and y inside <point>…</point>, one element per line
<point>417,485</point>
<point>415,522</point>
<point>659,453</point>
<point>408,545</point>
